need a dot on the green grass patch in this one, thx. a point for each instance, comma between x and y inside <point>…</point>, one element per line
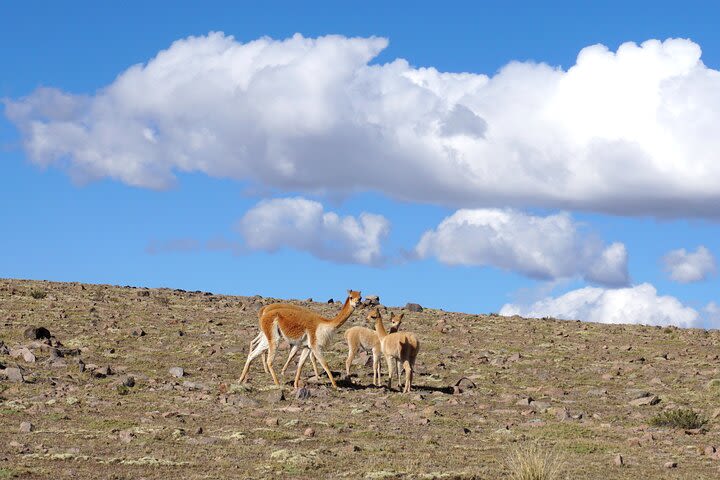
<point>9,473</point>
<point>683,418</point>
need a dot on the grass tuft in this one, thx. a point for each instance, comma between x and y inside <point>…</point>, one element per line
<point>683,418</point>
<point>38,294</point>
<point>532,462</point>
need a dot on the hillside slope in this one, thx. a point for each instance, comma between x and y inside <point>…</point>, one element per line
<point>572,387</point>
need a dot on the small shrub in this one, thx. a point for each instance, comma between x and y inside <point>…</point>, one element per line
<point>683,418</point>
<point>38,294</point>
<point>122,390</point>
<point>532,462</point>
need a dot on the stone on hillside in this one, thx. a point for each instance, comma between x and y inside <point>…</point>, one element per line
<point>4,350</point>
<point>670,465</point>
<point>36,333</point>
<point>272,422</point>
<point>413,307</point>
<point>26,427</point>
<point>302,393</point>
<point>129,381</point>
<point>276,395</point>
<point>619,461</point>
<point>23,352</point>
<point>309,432</point>
<point>177,372</point>
<point>14,374</point>
<point>371,301</point>
<point>648,400</point>
<point>102,372</point>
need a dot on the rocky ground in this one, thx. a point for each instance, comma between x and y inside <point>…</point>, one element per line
<point>142,383</point>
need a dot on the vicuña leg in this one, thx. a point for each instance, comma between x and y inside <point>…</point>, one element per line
<point>352,350</point>
<point>303,356</point>
<point>293,351</point>
<point>252,355</point>
<point>391,365</point>
<point>320,358</point>
<point>271,356</point>
<point>376,366</point>
<point>408,376</point>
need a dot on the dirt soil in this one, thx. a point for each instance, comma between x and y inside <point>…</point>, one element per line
<point>585,391</point>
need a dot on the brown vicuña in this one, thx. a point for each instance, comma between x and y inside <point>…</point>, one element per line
<point>293,350</point>
<point>299,327</point>
<point>363,338</point>
<point>398,348</point>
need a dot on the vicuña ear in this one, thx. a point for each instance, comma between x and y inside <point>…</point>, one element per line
<point>400,317</point>
<point>349,291</point>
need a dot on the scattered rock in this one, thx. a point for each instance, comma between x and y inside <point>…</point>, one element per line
<point>670,465</point>
<point>177,372</point>
<point>371,301</point>
<point>648,400</point>
<point>36,333</point>
<point>462,385</point>
<point>710,450</point>
<point>138,332</point>
<point>14,374</point>
<point>276,395</point>
<point>102,372</point>
<point>598,392</point>
<point>126,436</point>
<point>619,461</point>
<point>129,381</point>
<point>302,393</point>
<point>199,431</point>
<point>309,432</point>
<point>26,427</point>
<point>413,307</point>
<point>272,422</point>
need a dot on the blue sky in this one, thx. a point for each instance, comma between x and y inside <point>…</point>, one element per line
<point>538,246</point>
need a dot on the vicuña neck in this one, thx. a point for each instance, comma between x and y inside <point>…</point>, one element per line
<point>380,328</point>
<point>343,314</point>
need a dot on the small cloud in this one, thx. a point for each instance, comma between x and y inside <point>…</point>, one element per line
<point>639,304</point>
<point>539,247</point>
<point>304,225</point>
<point>688,267</point>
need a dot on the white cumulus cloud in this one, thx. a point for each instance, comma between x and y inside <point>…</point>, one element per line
<point>639,304</point>
<point>304,225</point>
<point>548,247</point>
<point>629,132</point>
<point>687,267</point>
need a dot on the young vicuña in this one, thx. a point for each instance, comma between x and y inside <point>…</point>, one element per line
<point>363,338</point>
<point>398,348</point>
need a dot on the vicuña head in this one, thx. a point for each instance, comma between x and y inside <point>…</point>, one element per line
<point>300,327</point>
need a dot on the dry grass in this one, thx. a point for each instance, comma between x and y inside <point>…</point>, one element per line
<point>533,462</point>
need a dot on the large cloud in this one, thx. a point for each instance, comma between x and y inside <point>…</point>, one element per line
<point>541,247</point>
<point>626,132</point>
<point>687,267</point>
<point>303,225</point>
<point>639,304</point>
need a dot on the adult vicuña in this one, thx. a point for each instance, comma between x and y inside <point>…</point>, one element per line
<point>254,342</point>
<point>398,347</point>
<point>361,337</point>
<point>298,326</point>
